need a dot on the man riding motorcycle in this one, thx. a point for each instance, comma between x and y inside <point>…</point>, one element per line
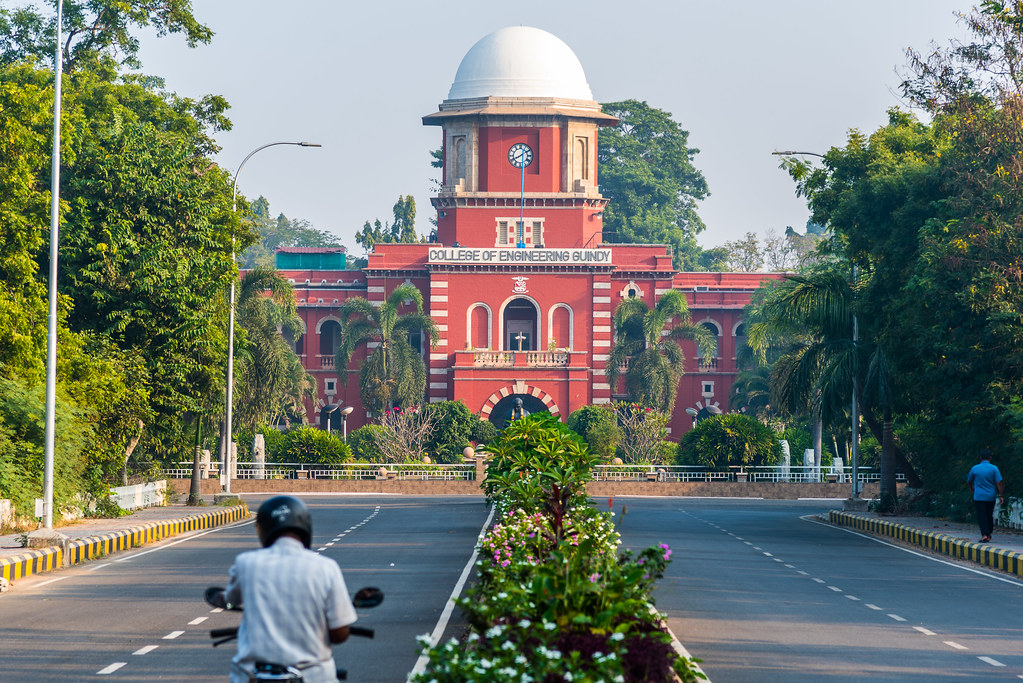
<point>295,601</point>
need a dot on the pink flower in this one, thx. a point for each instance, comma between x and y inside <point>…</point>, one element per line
<point>594,577</point>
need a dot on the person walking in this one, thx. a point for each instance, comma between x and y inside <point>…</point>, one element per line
<point>986,484</point>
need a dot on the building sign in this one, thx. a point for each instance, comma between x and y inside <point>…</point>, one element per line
<point>507,257</point>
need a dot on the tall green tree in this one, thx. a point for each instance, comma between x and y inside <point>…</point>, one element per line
<point>98,35</point>
<point>275,233</point>
<point>267,378</point>
<point>394,374</point>
<point>646,348</point>
<point>402,229</point>
<point>648,176</point>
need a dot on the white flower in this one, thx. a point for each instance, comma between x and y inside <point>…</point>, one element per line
<point>524,623</point>
<point>494,631</point>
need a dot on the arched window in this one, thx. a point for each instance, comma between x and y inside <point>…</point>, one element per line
<point>712,363</point>
<point>521,325</point>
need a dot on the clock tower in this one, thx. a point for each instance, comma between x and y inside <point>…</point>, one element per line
<point>520,147</point>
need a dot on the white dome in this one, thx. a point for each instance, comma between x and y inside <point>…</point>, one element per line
<point>520,61</point>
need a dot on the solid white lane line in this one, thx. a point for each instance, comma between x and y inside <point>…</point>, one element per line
<point>852,597</point>
<point>110,669</point>
<point>987,574</point>
<point>896,617</point>
<point>172,635</point>
<point>874,607</point>
<point>926,632</point>
<point>43,583</point>
<point>835,588</point>
<point>989,660</point>
<point>197,621</point>
<point>190,536</point>
<point>145,650</point>
<point>98,566</point>
<point>953,644</point>
<point>442,622</point>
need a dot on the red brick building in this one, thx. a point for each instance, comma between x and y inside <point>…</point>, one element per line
<point>519,280</point>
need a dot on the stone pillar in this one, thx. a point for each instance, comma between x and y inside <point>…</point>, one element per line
<point>205,464</point>
<point>234,460</point>
<point>786,460</point>
<point>809,462</point>
<point>839,469</point>
<point>481,469</point>
<point>259,456</point>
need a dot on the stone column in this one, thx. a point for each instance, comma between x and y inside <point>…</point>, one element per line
<point>259,456</point>
<point>205,464</point>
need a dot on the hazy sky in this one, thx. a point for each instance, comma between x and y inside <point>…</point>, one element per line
<point>745,78</point>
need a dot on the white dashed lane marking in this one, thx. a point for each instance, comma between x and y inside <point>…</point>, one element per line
<point>145,650</point>
<point>955,645</point>
<point>851,597</point>
<point>835,588</point>
<point>172,635</point>
<point>110,669</point>
<point>873,607</point>
<point>991,661</point>
<point>197,621</point>
<point>896,617</point>
<point>926,632</point>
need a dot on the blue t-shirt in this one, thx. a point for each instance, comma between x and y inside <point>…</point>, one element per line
<point>984,476</point>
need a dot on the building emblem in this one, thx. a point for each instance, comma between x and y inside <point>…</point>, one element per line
<point>520,285</point>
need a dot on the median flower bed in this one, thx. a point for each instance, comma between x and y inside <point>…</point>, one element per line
<point>556,599</point>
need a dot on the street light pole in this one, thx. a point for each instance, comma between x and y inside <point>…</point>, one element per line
<point>225,447</point>
<point>329,417</point>
<point>51,330</point>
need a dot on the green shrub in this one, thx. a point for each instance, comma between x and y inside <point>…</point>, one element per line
<point>452,430</point>
<point>364,446</point>
<point>729,439</point>
<point>311,446</point>
<point>596,424</point>
<point>483,432</point>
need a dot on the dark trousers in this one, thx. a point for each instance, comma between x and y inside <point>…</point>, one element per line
<point>985,516</point>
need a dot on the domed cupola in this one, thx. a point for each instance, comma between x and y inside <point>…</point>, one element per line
<point>520,146</point>
<point>520,61</point>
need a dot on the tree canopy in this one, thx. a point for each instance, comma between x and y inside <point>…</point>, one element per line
<point>648,176</point>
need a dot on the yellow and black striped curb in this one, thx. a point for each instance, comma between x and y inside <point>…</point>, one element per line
<point>46,559</point>
<point>981,553</point>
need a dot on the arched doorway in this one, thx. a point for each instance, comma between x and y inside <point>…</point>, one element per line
<point>501,415</point>
<point>520,326</point>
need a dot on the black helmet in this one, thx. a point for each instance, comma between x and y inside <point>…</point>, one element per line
<point>282,514</point>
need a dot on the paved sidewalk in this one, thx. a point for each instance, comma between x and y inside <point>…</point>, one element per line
<point>955,539</point>
<point>91,538</point>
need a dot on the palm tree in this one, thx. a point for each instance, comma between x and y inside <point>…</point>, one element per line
<point>825,364</point>
<point>646,343</point>
<point>751,392</point>
<point>394,374</point>
<point>267,364</point>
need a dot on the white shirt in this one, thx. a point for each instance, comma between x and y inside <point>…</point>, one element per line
<point>291,597</point>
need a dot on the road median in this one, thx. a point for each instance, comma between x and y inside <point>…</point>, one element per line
<point>95,546</point>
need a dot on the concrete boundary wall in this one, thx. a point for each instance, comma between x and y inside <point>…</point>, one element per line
<point>982,553</point>
<point>93,547</point>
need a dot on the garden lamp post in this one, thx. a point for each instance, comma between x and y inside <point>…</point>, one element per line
<point>225,446</point>
<point>344,422</point>
<point>330,413</point>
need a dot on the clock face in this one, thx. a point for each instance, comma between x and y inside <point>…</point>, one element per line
<point>520,155</point>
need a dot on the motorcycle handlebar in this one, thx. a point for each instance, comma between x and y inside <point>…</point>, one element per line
<point>360,631</point>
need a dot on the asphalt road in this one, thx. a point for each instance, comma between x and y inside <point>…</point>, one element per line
<point>761,594</point>
<point>139,616</point>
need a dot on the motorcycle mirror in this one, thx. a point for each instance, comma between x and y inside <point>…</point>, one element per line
<point>368,597</point>
<point>215,596</point>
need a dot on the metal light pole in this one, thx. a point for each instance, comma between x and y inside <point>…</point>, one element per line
<point>51,331</point>
<point>329,414</point>
<point>225,447</point>
<point>344,422</point>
